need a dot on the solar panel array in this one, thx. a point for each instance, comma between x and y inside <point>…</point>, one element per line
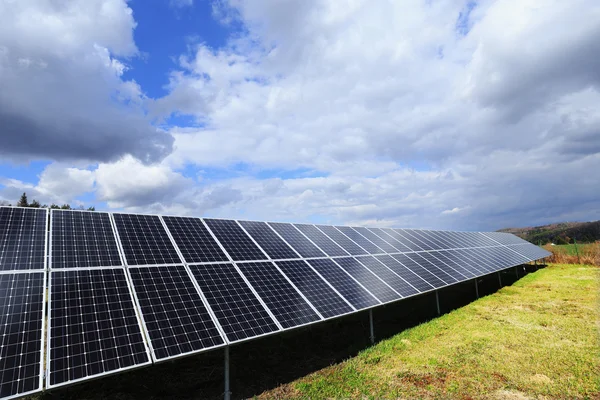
<point>126,290</point>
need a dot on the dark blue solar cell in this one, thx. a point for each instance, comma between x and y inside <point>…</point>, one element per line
<point>321,240</point>
<point>419,270</point>
<point>408,275</point>
<point>386,274</point>
<point>314,288</point>
<point>297,240</point>
<point>235,241</point>
<point>389,237</point>
<point>268,240</point>
<point>194,240</point>
<point>342,240</point>
<point>238,310</point>
<point>22,238</point>
<point>365,277</point>
<point>358,296</point>
<point>467,272</point>
<point>416,238</point>
<point>444,268</point>
<point>431,267</point>
<point>381,243</point>
<point>283,300</point>
<point>360,239</point>
<point>411,246</point>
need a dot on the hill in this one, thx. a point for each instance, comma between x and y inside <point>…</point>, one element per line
<point>559,233</point>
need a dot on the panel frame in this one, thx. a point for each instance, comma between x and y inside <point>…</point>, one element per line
<point>50,386</point>
<point>46,233</point>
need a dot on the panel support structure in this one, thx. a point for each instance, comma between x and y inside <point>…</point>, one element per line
<point>227,394</point>
<point>476,288</point>
<point>500,279</point>
<point>437,302</point>
<point>371,328</point>
<point>517,271</point>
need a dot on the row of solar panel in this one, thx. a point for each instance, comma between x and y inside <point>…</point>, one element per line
<point>87,239</point>
<point>94,314</point>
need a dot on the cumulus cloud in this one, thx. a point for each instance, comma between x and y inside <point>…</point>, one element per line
<point>62,95</point>
<point>426,114</point>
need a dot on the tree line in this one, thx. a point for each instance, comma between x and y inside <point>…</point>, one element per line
<point>24,202</point>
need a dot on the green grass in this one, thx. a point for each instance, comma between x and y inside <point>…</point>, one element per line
<point>538,338</point>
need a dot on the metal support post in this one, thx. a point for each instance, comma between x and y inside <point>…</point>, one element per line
<point>372,330</point>
<point>227,394</point>
<point>499,279</point>
<point>476,288</point>
<point>437,302</point>
<point>517,271</point>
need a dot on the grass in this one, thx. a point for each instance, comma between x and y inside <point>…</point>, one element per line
<point>567,254</point>
<point>535,339</point>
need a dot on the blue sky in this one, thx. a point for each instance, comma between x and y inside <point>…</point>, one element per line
<point>448,114</point>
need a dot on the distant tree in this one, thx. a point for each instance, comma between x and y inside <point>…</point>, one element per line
<point>65,207</point>
<point>23,201</point>
<point>35,204</point>
<point>54,206</point>
<point>91,208</point>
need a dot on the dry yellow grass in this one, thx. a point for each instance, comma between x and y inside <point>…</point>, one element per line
<point>589,254</point>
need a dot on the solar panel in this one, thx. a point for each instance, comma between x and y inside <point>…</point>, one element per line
<point>325,299</point>
<point>507,256</point>
<point>434,239</point>
<point>445,236</point>
<point>82,239</point>
<point>92,324</point>
<point>235,241</point>
<point>454,275</point>
<point>388,237</point>
<point>175,317</point>
<point>378,241</point>
<point>342,240</point>
<point>21,324</point>
<point>22,238</point>
<point>401,239</point>
<point>370,281</point>
<point>475,261</point>
<point>145,240</point>
<point>360,240</point>
<point>268,240</point>
<point>357,295</point>
<point>320,239</point>
<point>194,240</point>
<point>297,240</point>
<point>416,238</point>
<point>419,270</point>
<point>408,275</point>
<point>283,300</point>
<point>504,238</point>
<point>236,307</point>
<point>530,251</point>
<point>467,272</point>
<point>387,275</point>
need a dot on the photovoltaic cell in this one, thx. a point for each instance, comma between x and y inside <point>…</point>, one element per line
<point>433,268</point>
<point>467,272</point>
<point>321,240</point>
<point>283,300</point>
<point>194,240</point>
<point>344,284</point>
<point>341,240</point>
<point>386,274</point>
<point>22,238</point>
<point>297,240</point>
<point>323,297</point>
<point>366,278</point>
<point>402,239</point>
<point>530,251</point>
<point>145,240</point>
<point>414,237</point>
<point>235,241</point>
<point>419,270</point>
<point>21,314</point>
<point>504,238</point>
<point>176,320</point>
<point>239,312</point>
<point>360,239</point>
<point>381,243</point>
<point>409,276</point>
<point>454,275</point>
<point>388,237</point>
<point>93,327</point>
<point>82,239</point>
<point>433,239</point>
<point>268,240</point>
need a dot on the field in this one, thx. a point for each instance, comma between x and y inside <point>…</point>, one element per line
<point>535,339</point>
<point>567,254</point>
